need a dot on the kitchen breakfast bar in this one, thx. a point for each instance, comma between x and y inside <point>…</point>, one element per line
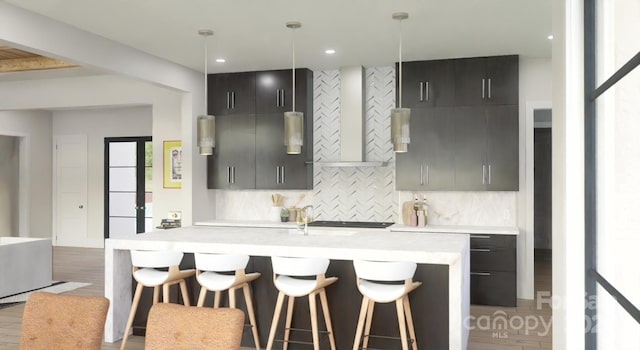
<point>440,306</point>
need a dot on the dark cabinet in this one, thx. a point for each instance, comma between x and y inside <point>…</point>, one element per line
<point>493,270</point>
<point>274,90</point>
<point>486,148</point>
<point>232,93</point>
<point>427,84</point>
<point>249,109</point>
<point>275,169</point>
<point>429,163</point>
<point>233,164</point>
<point>486,80</point>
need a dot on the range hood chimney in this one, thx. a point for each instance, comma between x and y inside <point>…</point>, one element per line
<point>352,120</point>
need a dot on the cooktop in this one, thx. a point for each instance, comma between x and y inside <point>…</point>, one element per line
<point>359,224</point>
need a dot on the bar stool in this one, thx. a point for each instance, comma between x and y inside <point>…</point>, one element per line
<point>146,265</point>
<point>374,279</point>
<point>208,274</point>
<point>286,277</point>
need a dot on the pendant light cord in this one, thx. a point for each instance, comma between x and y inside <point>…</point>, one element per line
<point>293,70</point>
<point>400,66</point>
<point>206,92</point>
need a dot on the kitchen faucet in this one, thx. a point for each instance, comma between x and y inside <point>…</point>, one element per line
<point>306,218</point>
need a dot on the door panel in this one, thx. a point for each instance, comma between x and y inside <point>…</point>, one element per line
<point>470,146</point>
<point>502,89</point>
<point>469,73</point>
<point>427,84</point>
<point>233,164</point>
<point>71,191</point>
<point>502,148</point>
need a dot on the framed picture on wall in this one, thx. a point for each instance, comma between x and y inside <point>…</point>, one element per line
<point>172,170</point>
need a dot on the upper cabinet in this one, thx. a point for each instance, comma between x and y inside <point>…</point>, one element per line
<point>274,91</point>
<point>486,80</point>
<point>232,93</point>
<point>464,125</point>
<point>427,84</point>
<point>250,152</point>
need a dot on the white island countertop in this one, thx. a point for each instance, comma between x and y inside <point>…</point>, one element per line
<point>339,244</point>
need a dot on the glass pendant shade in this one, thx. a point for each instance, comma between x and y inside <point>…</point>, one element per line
<point>206,134</point>
<point>400,120</point>
<point>293,132</point>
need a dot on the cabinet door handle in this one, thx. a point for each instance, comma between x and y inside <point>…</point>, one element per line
<point>483,173</point>
<point>277,97</point>
<point>233,174</point>
<point>282,175</point>
<point>480,273</point>
<point>427,172</point>
<point>489,174</point>
<point>277,174</point>
<point>426,90</point>
<point>421,174</point>
<point>480,250</point>
<point>233,99</point>
<point>229,174</point>
<point>480,237</point>
<point>421,91</point>
<point>489,89</point>
<point>483,88</point>
<point>228,100</point>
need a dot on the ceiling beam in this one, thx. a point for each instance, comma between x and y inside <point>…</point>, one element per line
<point>32,63</point>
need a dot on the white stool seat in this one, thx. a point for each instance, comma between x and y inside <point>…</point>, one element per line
<point>381,292</point>
<point>375,281</point>
<point>150,277</point>
<point>216,281</point>
<point>295,286</point>
<point>285,271</point>
<point>209,268</point>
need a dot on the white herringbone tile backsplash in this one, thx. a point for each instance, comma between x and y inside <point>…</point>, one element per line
<point>363,193</point>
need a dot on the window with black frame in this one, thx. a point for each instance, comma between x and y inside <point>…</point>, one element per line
<point>612,164</point>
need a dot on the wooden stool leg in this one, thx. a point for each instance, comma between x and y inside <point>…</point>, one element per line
<point>252,316</point>
<point>203,295</point>
<point>327,318</point>
<point>287,322</point>
<point>412,332</point>
<point>363,314</point>
<point>274,322</point>
<point>156,294</point>
<point>232,298</point>
<point>132,314</point>
<point>313,312</point>
<point>402,324</point>
<point>367,327</point>
<point>165,293</point>
<point>185,293</point>
<point>216,300</point>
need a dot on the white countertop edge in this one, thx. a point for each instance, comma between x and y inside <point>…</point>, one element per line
<point>247,223</point>
<point>493,230</point>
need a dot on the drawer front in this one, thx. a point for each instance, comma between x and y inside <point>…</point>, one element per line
<point>493,288</point>
<point>493,241</point>
<point>490,259</point>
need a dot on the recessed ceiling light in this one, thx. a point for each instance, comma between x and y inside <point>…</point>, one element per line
<point>329,51</point>
<point>550,37</point>
<point>221,60</point>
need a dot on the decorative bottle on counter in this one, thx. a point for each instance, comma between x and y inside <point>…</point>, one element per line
<point>416,209</point>
<point>424,209</point>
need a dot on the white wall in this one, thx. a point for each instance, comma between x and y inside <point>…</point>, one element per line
<point>9,172</point>
<point>535,92</point>
<point>101,91</point>
<point>97,124</point>
<point>34,129</point>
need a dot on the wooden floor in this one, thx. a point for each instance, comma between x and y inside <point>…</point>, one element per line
<point>524,325</point>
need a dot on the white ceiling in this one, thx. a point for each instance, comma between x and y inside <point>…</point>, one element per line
<point>251,34</point>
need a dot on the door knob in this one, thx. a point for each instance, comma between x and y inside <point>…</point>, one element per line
<point>80,206</point>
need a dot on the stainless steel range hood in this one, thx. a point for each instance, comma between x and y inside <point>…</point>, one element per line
<point>352,121</point>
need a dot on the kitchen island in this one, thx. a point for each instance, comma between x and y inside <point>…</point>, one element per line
<point>433,252</point>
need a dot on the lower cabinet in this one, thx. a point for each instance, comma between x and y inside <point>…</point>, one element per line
<point>493,270</point>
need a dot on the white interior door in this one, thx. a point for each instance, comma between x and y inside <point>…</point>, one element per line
<point>71,190</point>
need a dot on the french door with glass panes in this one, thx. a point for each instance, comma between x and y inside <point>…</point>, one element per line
<point>128,198</point>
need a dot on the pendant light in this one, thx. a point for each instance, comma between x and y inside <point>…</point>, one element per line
<point>293,121</point>
<point>206,123</point>
<point>400,117</point>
